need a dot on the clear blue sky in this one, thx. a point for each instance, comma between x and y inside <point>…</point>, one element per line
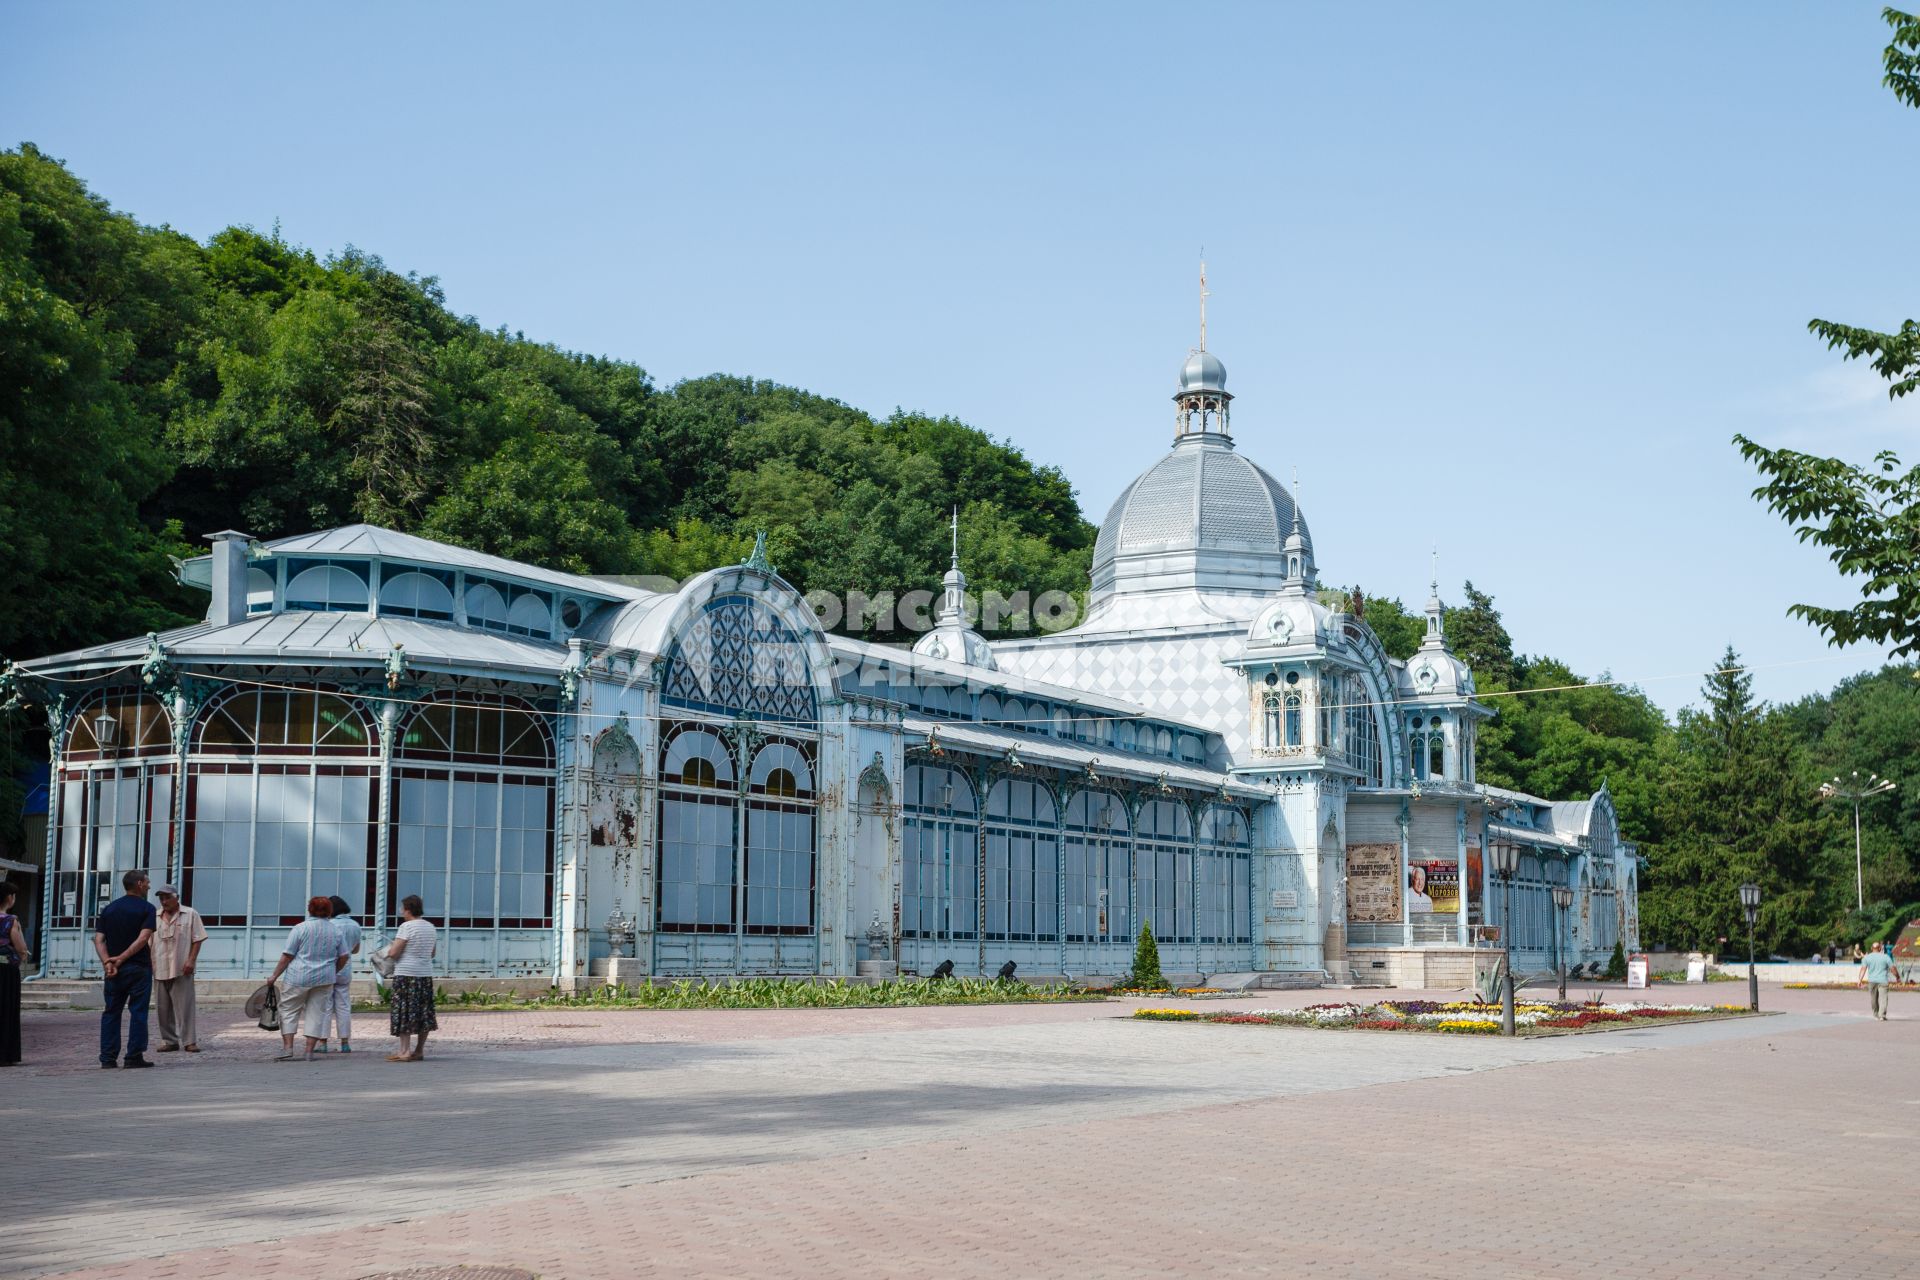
<point>1503,279</point>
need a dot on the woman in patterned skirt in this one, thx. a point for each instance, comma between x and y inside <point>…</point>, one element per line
<point>412,952</point>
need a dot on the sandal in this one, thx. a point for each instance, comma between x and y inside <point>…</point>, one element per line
<point>288,1057</point>
<point>193,1048</point>
<point>399,1057</point>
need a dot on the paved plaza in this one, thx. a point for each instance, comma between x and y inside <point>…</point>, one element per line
<point>979,1142</point>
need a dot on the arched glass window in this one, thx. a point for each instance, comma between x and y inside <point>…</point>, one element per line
<point>779,881</point>
<point>475,843</point>
<point>1270,734</point>
<point>478,732</point>
<point>259,590</point>
<point>115,801</point>
<point>696,757</point>
<point>284,722</point>
<point>1096,857</point>
<point>329,588</point>
<point>142,727</point>
<point>736,656</point>
<point>1062,723</point>
<point>991,713</point>
<point>530,615</point>
<point>1023,862</point>
<point>939,866</point>
<point>1291,703</point>
<point>1163,869</point>
<point>280,805</point>
<point>1163,743</point>
<point>414,593</point>
<point>1363,734</point>
<point>1014,715</point>
<point>1125,735</point>
<point>486,607</point>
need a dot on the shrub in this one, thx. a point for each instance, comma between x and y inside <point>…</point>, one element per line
<point>1146,963</point>
<point>1617,963</point>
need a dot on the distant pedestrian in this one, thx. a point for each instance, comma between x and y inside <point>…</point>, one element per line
<point>177,935</point>
<point>121,936</point>
<point>13,958</point>
<point>412,950</point>
<point>311,958</point>
<point>1877,971</point>
<point>340,1004</point>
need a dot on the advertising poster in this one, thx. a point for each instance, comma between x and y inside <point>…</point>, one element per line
<point>1443,886</point>
<point>1373,884</point>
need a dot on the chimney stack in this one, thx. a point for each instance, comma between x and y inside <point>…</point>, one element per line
<point>229,577</point>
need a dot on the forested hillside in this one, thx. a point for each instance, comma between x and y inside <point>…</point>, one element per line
<point>157,389</point>
<point>154,388</point>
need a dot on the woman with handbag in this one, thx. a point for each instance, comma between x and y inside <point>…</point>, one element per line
<point>313,956</point>
<point>412,953</point>
<point>13,957</point>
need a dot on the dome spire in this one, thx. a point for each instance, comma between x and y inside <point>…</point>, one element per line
<point>1201,402</point>
<point>1436,612</point>
<point>1203,299</point>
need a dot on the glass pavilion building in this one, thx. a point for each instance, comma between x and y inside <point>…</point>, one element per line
<point>1214,753</point>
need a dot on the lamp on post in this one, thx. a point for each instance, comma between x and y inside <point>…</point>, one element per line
<point>1856,789</point>
<point>1562,899</point>
<point>1506,861</point>
<point>1750,903</point>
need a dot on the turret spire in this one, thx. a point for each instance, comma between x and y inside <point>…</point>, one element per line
<point>1203,299</point>
<point>1436,624</point>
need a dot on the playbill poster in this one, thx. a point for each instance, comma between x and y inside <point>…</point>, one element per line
<point>1373,884</point>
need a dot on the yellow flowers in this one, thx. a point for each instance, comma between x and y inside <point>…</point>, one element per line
<point>1476,1026</point>
<point>1166,1015</point>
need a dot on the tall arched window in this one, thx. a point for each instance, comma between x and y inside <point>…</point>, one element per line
<point>1163,869</point>
<point>1270,734</point>
<point>280,798</point>
<point>698,795</point>
<point>475,843</point>
<point>116,801</point>
<point>1292,705</point>
<point>779,880</point>
<point>1023,862</point>
<point>1362,734</point>
<point>328,588</point>
<point>939,880</point>
<point>1223,910</point>
<point>1096,854</point>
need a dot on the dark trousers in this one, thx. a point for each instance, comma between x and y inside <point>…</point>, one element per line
<point>9,1012</point>
<point>130,989</point>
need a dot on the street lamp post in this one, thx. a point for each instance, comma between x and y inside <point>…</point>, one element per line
<point>1750,903</point>
<point>1853,789</point>
<point>1506,860</point>
<point>1562,899</point>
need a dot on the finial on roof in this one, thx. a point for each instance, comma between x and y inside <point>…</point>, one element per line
<point>1203,298</point>
<point>956,536</point>
<point>758,559</point>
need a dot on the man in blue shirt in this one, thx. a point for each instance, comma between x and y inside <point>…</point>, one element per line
<point>1877,971</point>
<point>120,937</point>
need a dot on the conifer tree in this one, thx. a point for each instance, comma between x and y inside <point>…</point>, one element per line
<point>1146,962</point>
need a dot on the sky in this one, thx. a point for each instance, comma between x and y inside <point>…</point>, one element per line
<point>1500,281</point>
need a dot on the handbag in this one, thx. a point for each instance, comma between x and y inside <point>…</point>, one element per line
<point>270,1011</point>
<point>383,963</point>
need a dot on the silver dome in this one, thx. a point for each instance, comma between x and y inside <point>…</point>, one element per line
<point>1203,372</point>
<point>1202,518</point>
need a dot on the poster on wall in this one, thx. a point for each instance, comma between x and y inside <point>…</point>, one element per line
<point>1474,877</point>
<point>1442,886</point>
<point>1373,884</point>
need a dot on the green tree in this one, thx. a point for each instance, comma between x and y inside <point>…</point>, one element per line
<point>1866,518</point>
<point>1478,637</point>
<point>537,500</point>
<point>1734,808</point>
<point>1146,962</point>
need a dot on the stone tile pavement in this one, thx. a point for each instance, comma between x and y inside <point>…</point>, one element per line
<point>984,1142</point>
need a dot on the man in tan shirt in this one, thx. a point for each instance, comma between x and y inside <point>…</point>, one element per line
<point>177,935</point>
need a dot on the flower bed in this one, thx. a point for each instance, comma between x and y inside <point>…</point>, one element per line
<point>774,993</point>
<point>1454,1017</point>
<point>1846,986</point>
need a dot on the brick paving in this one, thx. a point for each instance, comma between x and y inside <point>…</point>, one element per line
<point>981,1141</point>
